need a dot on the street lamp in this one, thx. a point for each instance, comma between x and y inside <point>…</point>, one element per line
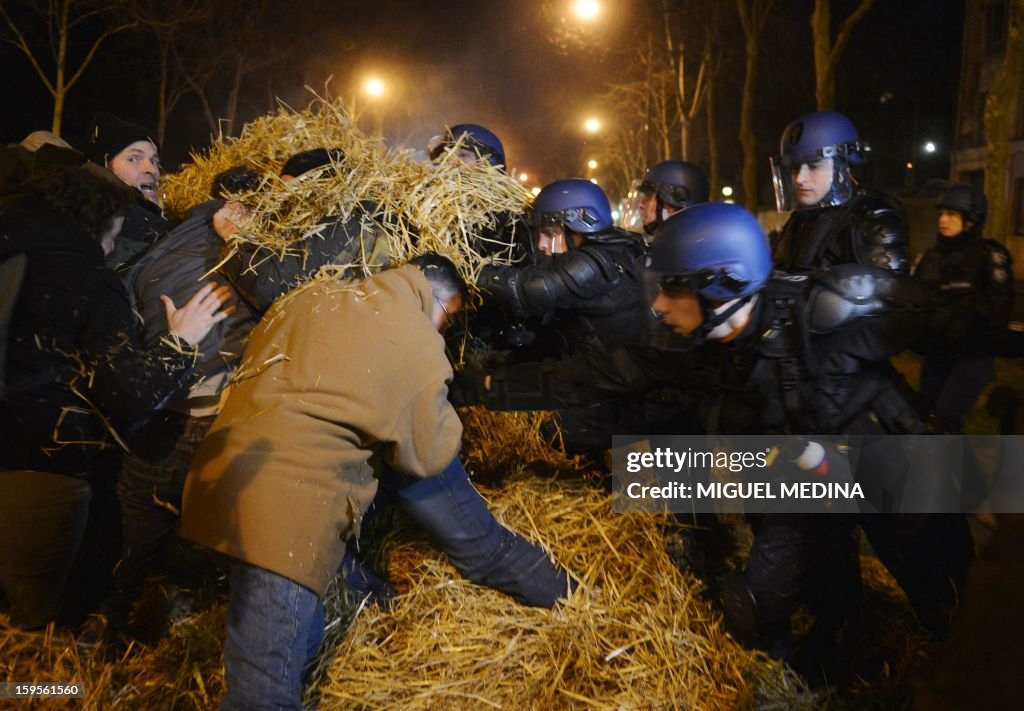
<point>374,87</point>
<point>929,147</point>
<point>592,164</point>
<point>592,125</point>
<point>586,9</point>
<point>523,177</point>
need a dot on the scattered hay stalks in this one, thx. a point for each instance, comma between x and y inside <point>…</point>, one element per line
<point>448,207</point>
<point>499,442</point>
<point>636,635</point>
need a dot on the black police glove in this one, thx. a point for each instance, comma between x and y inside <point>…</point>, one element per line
<point>467,388</point>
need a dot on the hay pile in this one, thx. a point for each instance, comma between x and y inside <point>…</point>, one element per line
<point>451,208</point>
<point>636,635</point>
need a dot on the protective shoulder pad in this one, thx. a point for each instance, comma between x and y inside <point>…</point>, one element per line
<point>588,271</point>
<point>1000,264</point>
<point>879,229</point>
<point>848,292</point>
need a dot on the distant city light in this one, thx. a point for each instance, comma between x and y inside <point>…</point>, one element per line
<point>910,166</point>
<point>726,190</point>
<point>523,177</point>
<point>929,147</point>
<point>374,87</point>
<point>586,9</point>
<point>592,125</point>
<point>535,191</point>
<point>591,164</point>
<point>615,214</point>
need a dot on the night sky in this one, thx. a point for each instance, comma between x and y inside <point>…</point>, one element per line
<point>496,63</point>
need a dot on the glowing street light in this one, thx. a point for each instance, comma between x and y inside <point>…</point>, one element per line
<point>727,191</point>
<point>592,164</point>
<point>535,191</point>
<point>592,125</point>
<point>586,9</point>
<point>929,147</point>
<point>523,177</point>
<point>374,87</point>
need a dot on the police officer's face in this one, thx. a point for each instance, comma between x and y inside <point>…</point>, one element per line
<point>551,240</point>
<point>648,206</point>
<point>812,181</point>
<point>680,310</point>
<point>139,166</point>
<point>951,223</point>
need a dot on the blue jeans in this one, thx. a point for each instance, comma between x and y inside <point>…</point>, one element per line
<point>457,519</point>
<point>274,628</point>
<point>275,625</point>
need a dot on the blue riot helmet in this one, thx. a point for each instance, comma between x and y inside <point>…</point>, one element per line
<point>716,251</point>
<point>473,137</point>
<point>576,204</point>
<point>813,166</point>
<point>672,185</point>
<point>968,200</point>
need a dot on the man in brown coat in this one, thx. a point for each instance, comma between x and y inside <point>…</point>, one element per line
<point>338,382</point>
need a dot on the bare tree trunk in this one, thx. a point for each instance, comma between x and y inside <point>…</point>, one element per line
<point>62,54</point>
<point>713,159</point>
<point>753,17</point>
<point>747,138</point>
<point>827,53</point>
<point>161,115</point>
<point>999,114</point>
<point>236,86</point>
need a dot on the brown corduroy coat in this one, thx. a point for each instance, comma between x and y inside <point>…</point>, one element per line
<point>334,378</point>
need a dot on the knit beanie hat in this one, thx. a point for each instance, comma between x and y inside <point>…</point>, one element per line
<point>108,135</point>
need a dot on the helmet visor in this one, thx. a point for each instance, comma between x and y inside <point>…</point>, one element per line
<point>633,209</point>
<point>820,178</point>
<point>660,290</point>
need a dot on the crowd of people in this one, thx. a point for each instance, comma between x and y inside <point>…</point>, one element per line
<point>142,396</point>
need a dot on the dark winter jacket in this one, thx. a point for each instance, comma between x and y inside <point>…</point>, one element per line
<point>977,272</point>
<point>74,372</point>
<point>870,229</point>
<point>178,266</point>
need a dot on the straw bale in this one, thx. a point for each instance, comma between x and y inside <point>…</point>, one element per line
<point>412,206</point>
<point>636,635</point>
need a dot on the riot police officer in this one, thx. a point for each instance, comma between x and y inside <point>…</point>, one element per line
<point>964,266</point>
<point>667,188</point>
<point>584,293</point>
<point>797,356</point>
<point>587,277</point>
<point>474,141</point>
<point>833,221</point>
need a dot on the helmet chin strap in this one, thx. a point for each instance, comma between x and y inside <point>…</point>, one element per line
<point>725,319</point>
<point>661,213</point>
